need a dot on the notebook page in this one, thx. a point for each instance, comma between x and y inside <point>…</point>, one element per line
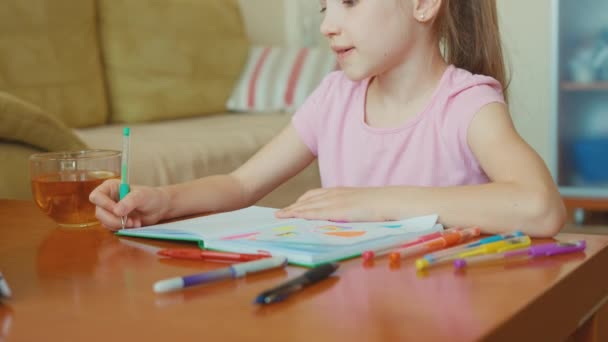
<point>205,227</point>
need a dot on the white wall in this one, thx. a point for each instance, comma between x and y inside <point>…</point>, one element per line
<point>526,31</point>
<point>282,22</point>
<point>264,21</point>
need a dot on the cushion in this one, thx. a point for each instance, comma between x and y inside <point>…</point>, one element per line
<point>199,147</point>
<point>49,56</point>
<point>14,175</point>
<point>24,123</point>
<point>280,78</point>
<point>169,59</point>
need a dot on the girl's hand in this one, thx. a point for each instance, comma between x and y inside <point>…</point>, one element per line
<point>143,205</point>
<point>339,204</point>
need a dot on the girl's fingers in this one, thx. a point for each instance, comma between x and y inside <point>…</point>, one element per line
<point>310,198</point>
<point>113,222</point>
<point>132,201</point>
<point>313,198</point>
<point>108,219</point>
<point>311,194</point>
<point>308,208</point>
<point>103,195</point>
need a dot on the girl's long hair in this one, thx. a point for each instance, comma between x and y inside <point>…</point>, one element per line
<point>470,36</point>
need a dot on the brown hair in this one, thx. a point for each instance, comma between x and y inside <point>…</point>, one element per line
<point>468,30</point>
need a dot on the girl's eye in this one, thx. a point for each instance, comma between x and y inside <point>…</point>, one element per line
<point>348,3</point>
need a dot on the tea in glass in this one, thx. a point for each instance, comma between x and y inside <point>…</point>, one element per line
<point>63,181</point>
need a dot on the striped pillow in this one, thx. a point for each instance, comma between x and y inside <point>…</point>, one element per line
<point>280,78</point>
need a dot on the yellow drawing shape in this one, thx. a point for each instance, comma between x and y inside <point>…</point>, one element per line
<point>283,228</point>
<point>287,234</point>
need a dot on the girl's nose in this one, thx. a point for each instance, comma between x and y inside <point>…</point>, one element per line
<point>329,25</point>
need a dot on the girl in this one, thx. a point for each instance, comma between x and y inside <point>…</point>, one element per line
<point>414,123</point>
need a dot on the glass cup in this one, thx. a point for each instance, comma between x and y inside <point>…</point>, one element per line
<point>62,181</point>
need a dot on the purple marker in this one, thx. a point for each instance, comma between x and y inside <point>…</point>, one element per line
<point>233,271</point>
<point>547,249</point>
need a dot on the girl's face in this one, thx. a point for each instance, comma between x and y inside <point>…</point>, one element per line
<point>369,37</point>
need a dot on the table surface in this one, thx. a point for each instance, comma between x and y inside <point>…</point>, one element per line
<point>89,284</point>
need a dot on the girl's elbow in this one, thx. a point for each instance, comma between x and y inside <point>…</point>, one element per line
<point>548,214</point>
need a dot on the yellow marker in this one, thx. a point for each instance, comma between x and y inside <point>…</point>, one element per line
<point>494,247</point>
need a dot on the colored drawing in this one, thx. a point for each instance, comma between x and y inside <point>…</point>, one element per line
<point>286,234</point>
<point>276,232</point>
<point>331,228</point>
<point>339,231</point>
<point>347,234</point>
<point>280,232</point>
<point>249,235</point>
<point>312,232</point>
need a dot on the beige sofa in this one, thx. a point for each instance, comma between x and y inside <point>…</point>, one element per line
<point>74,72</point>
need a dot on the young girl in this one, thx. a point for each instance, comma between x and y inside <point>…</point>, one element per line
<point>400,131</point>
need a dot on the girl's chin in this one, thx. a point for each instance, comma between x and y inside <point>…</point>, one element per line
<point>354,74</point>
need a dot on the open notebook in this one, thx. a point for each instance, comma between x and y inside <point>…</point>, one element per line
<point>303,242</point>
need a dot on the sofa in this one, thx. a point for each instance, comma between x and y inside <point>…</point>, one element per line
<point>73,73</point>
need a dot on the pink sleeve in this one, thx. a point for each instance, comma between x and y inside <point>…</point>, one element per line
<point>307,119</point>
<point>467,104</point>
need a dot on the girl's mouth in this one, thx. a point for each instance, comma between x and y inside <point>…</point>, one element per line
<point>343,53</point>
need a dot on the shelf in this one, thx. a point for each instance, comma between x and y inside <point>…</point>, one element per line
<point>589,192</point>
<point>586,203</point>
<point>575,86</point>
<point>579,100</point>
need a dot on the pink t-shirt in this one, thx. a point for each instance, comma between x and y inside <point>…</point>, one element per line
<point>429,149</point>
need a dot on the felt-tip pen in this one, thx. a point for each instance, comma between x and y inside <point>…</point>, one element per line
<point>308,278</point>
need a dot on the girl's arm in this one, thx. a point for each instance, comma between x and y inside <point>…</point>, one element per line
<point>282,158</point>
<point>521,194</point>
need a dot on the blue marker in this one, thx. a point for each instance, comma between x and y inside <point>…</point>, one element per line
<point>457,249</point>
<point>124,188</point>
<point>233,271</point>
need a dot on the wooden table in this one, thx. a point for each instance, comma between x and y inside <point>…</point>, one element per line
<point>77,285</point>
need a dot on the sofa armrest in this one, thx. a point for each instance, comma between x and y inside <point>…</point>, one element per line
<point>22,122</point>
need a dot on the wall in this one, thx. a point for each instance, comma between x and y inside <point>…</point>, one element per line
<point>264,21</point>
<point>526,30</point>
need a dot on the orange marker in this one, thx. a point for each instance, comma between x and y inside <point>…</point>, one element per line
<point>371,254</point>
<point>448,239</point>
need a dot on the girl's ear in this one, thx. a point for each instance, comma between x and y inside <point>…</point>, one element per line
<point>426,10</point>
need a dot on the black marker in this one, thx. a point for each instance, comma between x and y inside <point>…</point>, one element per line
<point>308,278</point>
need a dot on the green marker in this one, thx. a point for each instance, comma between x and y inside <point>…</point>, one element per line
<point>123,190</point>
